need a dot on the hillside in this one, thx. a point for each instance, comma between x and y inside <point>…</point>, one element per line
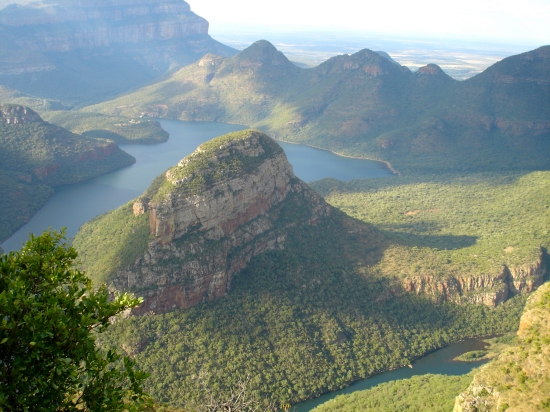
<point>518,379</point>
<point>87,51</point>
<point>423,393</point>
<point>36,155</point>
<point>456,234</point>
<point>365,105</point>
<point>246,271</point>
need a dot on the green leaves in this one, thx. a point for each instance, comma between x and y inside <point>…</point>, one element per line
<point>48,310</point>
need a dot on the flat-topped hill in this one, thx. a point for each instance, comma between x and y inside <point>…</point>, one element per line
<point>200,223</point>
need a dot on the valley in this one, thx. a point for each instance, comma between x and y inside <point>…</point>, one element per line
<point>296,215</point>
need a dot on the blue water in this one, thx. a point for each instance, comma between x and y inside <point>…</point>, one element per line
<point>72,206</point>
<point>438,362</point>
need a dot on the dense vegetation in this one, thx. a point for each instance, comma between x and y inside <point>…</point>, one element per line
<point>300,322</point>
<point>36,155</point>
<point>20,201</point>
<point>117,128</point>
<point>110,241</point>
<point>518,379</point>
<point>50,317</point>
<point>366,105</point>
<point>217,160</point>
<point>451,224</point>
<point>423,393</point>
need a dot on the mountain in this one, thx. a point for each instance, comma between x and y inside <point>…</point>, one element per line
<point>245,271</point>
<point>36,155</point>
<point>83,51</point>
<point>366,105</point>
<point>206,217</point>
<point>518,379</point>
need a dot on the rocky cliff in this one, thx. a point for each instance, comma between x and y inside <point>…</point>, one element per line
<point>209,215</point>
<point>486,289</point>
<point>132,41</point>
<point>99,24</point>
<point>518,379</point>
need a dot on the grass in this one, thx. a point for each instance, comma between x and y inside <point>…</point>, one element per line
<point>451,225</point>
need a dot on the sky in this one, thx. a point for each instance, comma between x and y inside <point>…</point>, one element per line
<point>514,21</point>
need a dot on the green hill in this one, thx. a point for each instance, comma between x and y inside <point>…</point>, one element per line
<point>36,155</point>
<point>277,285</point>
<point>365,105</point>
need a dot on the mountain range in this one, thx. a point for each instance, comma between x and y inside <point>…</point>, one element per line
<point>367,105</point>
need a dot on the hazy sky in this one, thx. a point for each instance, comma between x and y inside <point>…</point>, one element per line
<point>515,21</point>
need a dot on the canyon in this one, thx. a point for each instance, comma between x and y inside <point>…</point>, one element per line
<point>130,41</point>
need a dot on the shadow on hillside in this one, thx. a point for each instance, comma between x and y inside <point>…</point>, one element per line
<point>440,242</point>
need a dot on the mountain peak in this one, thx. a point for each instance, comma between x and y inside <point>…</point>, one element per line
<point>372,63</point>
<point>202,221</point>
<point>262,53</point>
<point>431,70</point>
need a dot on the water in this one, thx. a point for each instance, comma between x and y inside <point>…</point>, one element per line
<point>72,206</point>
<point>438,362</point>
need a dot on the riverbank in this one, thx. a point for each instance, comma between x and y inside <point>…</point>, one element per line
<point>441,361</point>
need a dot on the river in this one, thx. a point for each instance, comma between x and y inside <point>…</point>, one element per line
<point>438,362</point>
<point>72,206</point>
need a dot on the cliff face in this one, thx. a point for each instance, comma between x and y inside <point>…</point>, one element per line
<point>518,379</point>
<point>100,24</point>
<point>213,212</point>
<point>486,289</point>
<point>86,50</point>
<point>14,114</point>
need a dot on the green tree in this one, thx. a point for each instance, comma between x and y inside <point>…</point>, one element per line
<point>49,316</point>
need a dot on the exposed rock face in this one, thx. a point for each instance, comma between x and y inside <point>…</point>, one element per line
<point>15,114</point>
<point>202,237</point>
<point>86,51</point>
<point>486,289</point>
<point>101,24</point>
<point>518,379</point>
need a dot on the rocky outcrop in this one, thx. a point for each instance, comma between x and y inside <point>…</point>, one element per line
<point>516,381</point>
<point>15,114</point>
<point>490,290</point>
<point>101,24</point>
<point>87,51</point>
<point>211,214</point>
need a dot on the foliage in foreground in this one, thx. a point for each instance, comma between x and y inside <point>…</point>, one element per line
<point>423,393</point>
<point>50,317</point>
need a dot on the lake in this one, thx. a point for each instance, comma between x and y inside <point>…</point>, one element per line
<point>438,362</point>
<point>72,206</point>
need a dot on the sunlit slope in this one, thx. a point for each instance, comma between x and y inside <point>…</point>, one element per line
<point>518,379</point>
<point>366,105</point>
<point>489,228</point>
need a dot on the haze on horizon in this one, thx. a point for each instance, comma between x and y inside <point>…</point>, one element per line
<point>500,21</point>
